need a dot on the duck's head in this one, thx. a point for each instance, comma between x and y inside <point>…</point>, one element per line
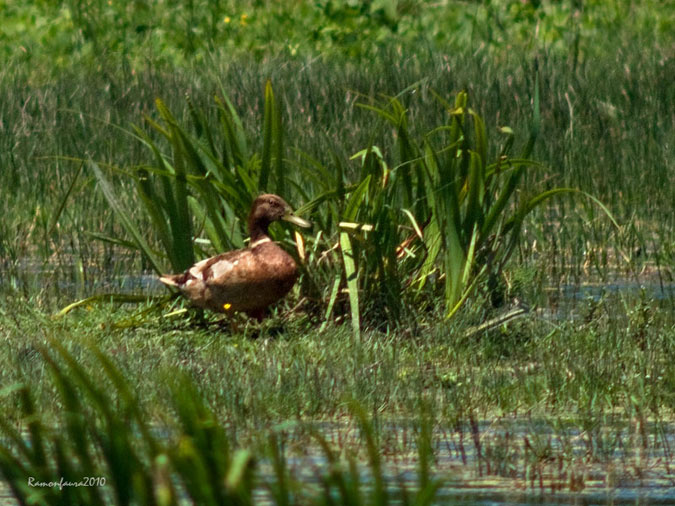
<point>268,208</point>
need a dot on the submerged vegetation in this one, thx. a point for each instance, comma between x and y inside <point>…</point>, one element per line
<point>421,139</point>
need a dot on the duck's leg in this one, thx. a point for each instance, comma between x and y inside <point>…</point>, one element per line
<point>199,318</point>
<point>234,327</point>
<point>258,314</point>
<point>228,323</point>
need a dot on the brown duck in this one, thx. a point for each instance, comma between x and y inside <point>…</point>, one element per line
<point>248,279</point>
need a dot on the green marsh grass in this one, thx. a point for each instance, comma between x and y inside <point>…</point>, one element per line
<point>63,119</point>
<point>601,372</point>
<point>601,362</point>
<point>441,191</point>
<point>437,210</point>
<point>104,34</point>
<point>104,434</point>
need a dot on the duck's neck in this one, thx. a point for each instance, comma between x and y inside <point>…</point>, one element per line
<point>258,230</point>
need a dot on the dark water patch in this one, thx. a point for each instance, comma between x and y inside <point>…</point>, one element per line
<point>73,284</point>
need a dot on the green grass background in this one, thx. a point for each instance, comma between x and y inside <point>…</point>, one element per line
<point>76,74</point>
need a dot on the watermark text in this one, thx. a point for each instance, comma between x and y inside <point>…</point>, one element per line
<point>87,481</point>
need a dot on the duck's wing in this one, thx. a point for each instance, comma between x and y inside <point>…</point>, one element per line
<point>232,268</point>
<point>216,268</point>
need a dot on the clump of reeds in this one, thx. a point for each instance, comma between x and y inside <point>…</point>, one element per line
<point>435,217</point>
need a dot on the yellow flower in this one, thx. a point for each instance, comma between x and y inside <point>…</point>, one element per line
<point>244,17</point>
<point>227,19</point>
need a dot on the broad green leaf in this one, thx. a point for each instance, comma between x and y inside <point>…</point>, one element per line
<point>331,302</point>
<point>356,199</point>
<point>268,138</point>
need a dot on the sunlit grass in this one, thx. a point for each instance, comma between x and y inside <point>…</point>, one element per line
<point>600,360</point>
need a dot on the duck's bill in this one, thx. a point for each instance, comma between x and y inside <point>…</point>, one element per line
<point>296,220</point>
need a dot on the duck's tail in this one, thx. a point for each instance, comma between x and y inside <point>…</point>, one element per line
<point>172,279</point>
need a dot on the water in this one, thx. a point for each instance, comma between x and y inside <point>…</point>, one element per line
<point>597,291</point>
<point>71,277</point>
<point>637,469</point>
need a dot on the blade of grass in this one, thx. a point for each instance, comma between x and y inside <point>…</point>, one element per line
<point>126,220</point>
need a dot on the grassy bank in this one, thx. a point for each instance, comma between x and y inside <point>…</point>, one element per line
<point>614,356</point>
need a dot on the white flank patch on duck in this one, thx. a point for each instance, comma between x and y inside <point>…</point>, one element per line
<point>197,272</point>
<point>199,265</point>
<point>221,269</point>
<point>191,282</point>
